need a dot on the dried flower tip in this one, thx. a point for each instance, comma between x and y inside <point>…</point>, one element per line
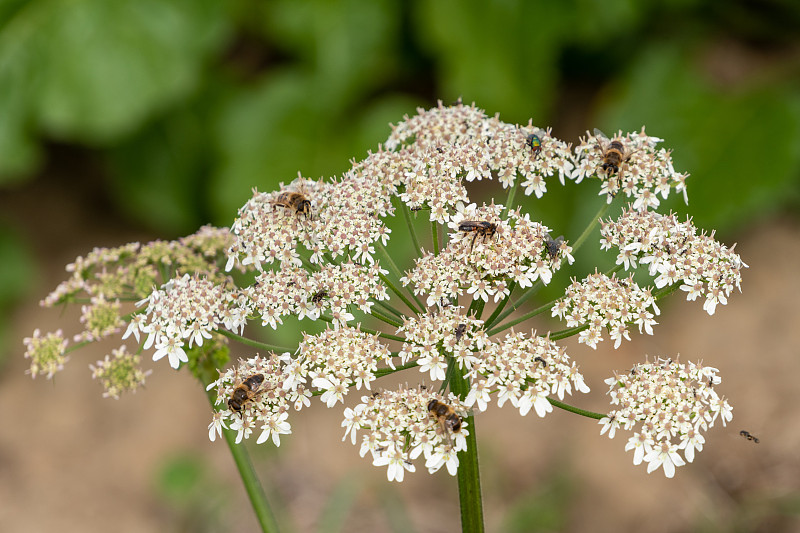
<point>101,318</point>
<point>47,354</point>
<point>121,372</point>
<point>665,401</point>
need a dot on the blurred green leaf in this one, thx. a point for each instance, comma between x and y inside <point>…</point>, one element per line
<point>739,145</point>
<point>16,276</point>
<point>93,70</point>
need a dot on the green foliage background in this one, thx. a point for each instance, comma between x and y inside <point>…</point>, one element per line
<point>186,105</point>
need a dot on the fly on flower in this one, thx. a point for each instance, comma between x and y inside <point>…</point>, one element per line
<point>481,228</point>
<point>245,392</point>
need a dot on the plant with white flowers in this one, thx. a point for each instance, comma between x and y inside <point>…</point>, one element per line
<point>322,251</point>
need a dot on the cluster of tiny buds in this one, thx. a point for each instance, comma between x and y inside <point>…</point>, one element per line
<point>524,370</point>
<point>485,254</point>
<point>400,426</point>
<point>668,404</point>
<point>629,164</point>
<point>607,303</point>
<point>255,396</point>
<point>333,288</point>
<point>120,372</point>
<point>675,253</point>
<point>189,307</point>
<point>47,353</point>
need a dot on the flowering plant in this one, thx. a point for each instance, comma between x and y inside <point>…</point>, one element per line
<point>322,250</point>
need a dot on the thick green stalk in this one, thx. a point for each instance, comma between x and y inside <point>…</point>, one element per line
<point>258,499</point>
<point>469,479</point>
<point>411,229</point>
<point>252,343</point>
<point>435,236</point>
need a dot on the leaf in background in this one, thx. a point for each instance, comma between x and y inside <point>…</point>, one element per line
<point>16,276</point>
<point>93,70</point>
<point>739,145</point>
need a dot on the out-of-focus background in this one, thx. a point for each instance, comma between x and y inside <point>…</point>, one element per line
<point>142,119</point>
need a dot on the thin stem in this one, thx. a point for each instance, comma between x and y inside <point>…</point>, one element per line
<point>383,305</point>
<point>398,273</point>
<point>435,236</point>
<point>469,480</point>
<point>568,332</point>
<point>410,223</point>
<point>253,343</point>
<point>384,318</point>
<point>386,371</point>
<point>380,334</point>
<point>399,294</point>
<point>576,410</point>
<point>511,193</point>
<point>588,231</point>
<point>523,318</point>
<point>499,308</point>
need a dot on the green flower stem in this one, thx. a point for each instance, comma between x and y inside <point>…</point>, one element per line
<point>252,485</point>
<point>511,193</point>
<point>398,274</point>
<point>523,297</point>
<point>383,305</point>
<point>469,480</point>
<point>476,308</point>
<point>253,343</point>
<point>386,371</point>
<point>499,308</point>
<point>399,294</point>
<point>523,318</point>
<point>410,223</point>
<point>384,318</point>
<point>666,291</point>
<point>361,328</point>
<point>576,410</point>
<point>588,231</point>
<point>569,332</point>
<point>435,236</point>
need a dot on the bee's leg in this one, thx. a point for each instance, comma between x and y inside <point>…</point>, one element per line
<point>471,244</point>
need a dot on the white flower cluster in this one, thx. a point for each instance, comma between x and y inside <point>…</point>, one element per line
<point>515,250</point>
<point>675,253</point>
<point>337,359</point>
<point>524,370</point>
<point>607,303</point>
<point>433,337</point>
<point>444,146</point>
<point>267,403</point>
<point>643,172</point>
<point>397,428</point>
<point>669,404</point>
<point>189,307</point>
<point>293,291</point>
<point>343,217</point>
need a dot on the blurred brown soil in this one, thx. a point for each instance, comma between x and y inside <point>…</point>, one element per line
<point>73,461</point>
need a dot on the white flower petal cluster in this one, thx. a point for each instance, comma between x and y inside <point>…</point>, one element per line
<point>433,337</point>
<point>332,289</point>
<point>644,172</point>
<point>267,408</point>
<point>443,147</point>
<point>667,405</point>
<point>524,370</point>
<point>395,428</point>
<point>337,359</point>
<point>607,303</point>
<point>675,253</point>
<point>185,310</point>
<point>485,265</point>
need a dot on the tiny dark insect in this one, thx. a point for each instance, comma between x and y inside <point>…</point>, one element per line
<point>552,246</point>
<point>318,297</point>
<point>748,436</point>
<point>541,360</point>
<point>460,330</point>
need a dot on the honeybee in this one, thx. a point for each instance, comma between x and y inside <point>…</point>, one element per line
<point>445,416</point>
<point>748,436</point>
<point>614,153</point>
<point>295,201</point>
<point>481,228</point>
<point>317,298</point>
<point>552,246</point>
<point>460,330</point>
<point>246,391</point>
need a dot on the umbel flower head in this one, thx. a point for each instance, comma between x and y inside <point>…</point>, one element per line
<point>321,250</point>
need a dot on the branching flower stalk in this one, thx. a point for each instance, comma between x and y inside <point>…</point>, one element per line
<point>316,250</point>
